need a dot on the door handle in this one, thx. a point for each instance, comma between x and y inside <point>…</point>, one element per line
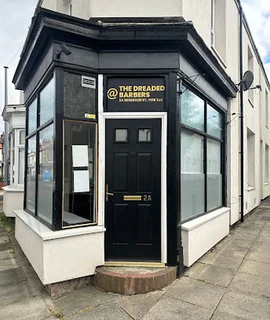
<point>108,193</point>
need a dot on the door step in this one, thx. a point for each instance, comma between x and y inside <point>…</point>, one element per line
<point>133,280</point>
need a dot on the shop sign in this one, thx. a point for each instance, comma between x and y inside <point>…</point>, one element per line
<point>136,91</point>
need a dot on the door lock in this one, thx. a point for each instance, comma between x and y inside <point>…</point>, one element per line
<point>108,193</point>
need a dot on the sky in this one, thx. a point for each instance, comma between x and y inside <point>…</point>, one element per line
<point>15,19</point>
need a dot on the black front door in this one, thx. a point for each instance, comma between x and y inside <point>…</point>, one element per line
<point>133,189</point>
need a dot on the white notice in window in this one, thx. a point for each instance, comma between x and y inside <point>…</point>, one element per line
<point>79,156</point>
<point>81,181</point>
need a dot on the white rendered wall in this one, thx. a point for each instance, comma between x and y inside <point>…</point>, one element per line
<point>12,200</point>
<point>59,255</point>
<point>201,234</point>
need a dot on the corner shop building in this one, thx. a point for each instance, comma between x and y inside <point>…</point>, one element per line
<point>125,144</point>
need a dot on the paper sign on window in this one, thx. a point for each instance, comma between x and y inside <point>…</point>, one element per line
<point>81,181</point>
<point>80,156</point>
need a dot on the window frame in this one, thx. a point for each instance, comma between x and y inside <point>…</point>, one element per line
<point>35,133</point>
<point>206,136</point>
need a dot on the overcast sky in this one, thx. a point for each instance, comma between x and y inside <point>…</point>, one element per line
<point>15,19</point>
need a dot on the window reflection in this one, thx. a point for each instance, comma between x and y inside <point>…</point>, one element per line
<point>192,110</point>
<point>214,122</point>
<point>47,103</point>
<point>32,117</point>
<point>31,175</point>
<point>45,174</point>
<point>79,173</point>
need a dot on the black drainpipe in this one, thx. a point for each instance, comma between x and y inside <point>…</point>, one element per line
<point>241,108</point>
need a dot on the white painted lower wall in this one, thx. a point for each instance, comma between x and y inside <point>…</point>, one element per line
<point>12,200</point>
<point>59,255</point>
<point>201,234</point>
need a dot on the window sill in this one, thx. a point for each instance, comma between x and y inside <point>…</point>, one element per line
<point>47,234</point>
<point>250,188</point>
<point>266,184</point>
<point>218,56</point>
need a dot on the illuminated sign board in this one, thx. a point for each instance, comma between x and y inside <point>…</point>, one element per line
<point>135,94</point>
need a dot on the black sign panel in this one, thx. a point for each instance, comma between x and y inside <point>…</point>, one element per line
<point>136,94</point>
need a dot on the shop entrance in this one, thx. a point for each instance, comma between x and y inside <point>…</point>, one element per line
<point>133,190</point>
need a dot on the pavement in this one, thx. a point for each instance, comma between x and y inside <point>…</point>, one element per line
<point>230,282</point>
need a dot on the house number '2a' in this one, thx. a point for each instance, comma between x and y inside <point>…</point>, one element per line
<point>147,198</point>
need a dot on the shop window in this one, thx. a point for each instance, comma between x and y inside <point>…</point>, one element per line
<point>31,174</point>
<point>80,96</point>
<point>214,122</point>
<point>192,110</point>
<point>45,174</point>
<point>266,180</point>
<point>32,117</point>
<point>214,175</point>
<point>202,149</point>
<point>250,158</point>
<point>46,103</point>
<point>192,174</point>
<point>79,173</point>
<point>39,150</point>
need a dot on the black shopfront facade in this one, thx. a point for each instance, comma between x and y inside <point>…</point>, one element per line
<point>114,114</point>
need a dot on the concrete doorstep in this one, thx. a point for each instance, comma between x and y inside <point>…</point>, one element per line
<point>230,282</point>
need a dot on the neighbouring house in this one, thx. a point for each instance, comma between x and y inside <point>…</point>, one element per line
<point>133,133</point>
<point>13,192</point>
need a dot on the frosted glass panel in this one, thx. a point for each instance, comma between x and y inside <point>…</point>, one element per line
<point>214,176</point>
<point>192,175</point>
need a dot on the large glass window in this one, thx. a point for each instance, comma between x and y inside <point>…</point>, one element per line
<point>201,156</point>
<point>32,117</point>
<point>192,177</point>
<point>79,173</point>
<point>46,103</point>
<point>192,110</point>
<point>31,175</point>
<point>45,174</point>
<point>39,172</point>
<point>214,175</point>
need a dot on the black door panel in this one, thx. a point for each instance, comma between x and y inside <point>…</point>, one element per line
<point>133,178</point>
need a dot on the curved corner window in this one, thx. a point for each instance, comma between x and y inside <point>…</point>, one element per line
<point>79,203</point>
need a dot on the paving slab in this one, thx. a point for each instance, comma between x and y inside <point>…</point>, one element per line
<point>251,283</point>
<point>27,309</point>
<point>11,276</point>
<point>85,298</point>
<point>107,311</point>
<point>211,274</point>
<point>5,255</point>
<point>173,309</point>
<point>258,254</point>
<point>137,306</point>
<point>255,267</point>
<point>5,246</point>
<point>13,293</point>
<point>8,264</point>
<point>241,234</point>
<point>235,250</point>
<point>218,259</point>
<point>4,239</point>
<point>224,316</point>
<point>196,292</point>
<point>244,305</point>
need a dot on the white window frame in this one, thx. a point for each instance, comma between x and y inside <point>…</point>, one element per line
<point>213,14</point>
